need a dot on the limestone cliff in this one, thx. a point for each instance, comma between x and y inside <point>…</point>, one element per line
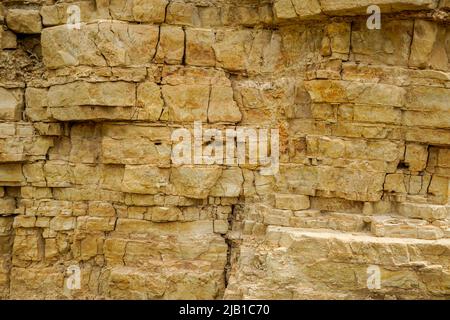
<point>92,92</point>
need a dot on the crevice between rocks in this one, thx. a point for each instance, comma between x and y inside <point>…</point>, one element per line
<point>231,246</point>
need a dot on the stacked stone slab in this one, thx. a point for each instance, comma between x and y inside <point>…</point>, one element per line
<point>87,178</point>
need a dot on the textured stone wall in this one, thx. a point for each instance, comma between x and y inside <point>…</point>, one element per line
<point>87,178</point>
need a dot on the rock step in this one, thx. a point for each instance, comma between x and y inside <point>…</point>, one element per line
<point>315,264</point>
<point>386,225</point>
<point>399,227</point>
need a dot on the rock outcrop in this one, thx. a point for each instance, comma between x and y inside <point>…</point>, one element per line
<point>89,109</point>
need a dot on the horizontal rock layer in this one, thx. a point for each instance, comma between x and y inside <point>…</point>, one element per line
<point>91,113</point>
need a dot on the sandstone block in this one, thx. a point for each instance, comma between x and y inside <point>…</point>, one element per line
<point>430,233</point>
<point>416,156</point>
<point>423,211</point>
<point>439,186</point>
<point>229,184</point>
<point>34,173</point>
<point>425,33</point>
<point>149,10</point>
<point>150,100</point>
<point>82,93</point>
<point>427,99</point>
<point>435,119</point>
<point>220,226</point>
<point>385,226</point>
<point>11,151</point>
<point>63,223</point>
<point>360,93</point>
<point>302,9</point>
<point>127,131</point>
<point>426,136</point>
<point>389,46</point>
<point>101,209</point>
<point>144,179</point>
<point>53,15</point>
<point>232,49</point>
<point>444,158</point>
<point>171,45</point>
<point>24,21</point>
<point>58,174</point>
<point>36,193</point>
<point>11,173</point>
<point>100,224</point>
<point>352,184</point>
<point>6,224</point>
<point>377,114</point>
<point>210,16</point>
<point>284,9</point>
<point>89,247</point>
<point>123,144</point>
<point>354,149</point>
<point>130,226</point>
<point>165,214</point>
<point>117,9</point>
<point>327,251</point>
<point>27,282</point>
<point>7,206</point>
<point>8,40</point>
<point>340,36</point>
<point>346,183</point>
<point>11,104</point>
<point>36,104</point>
<point>99,44</point>
<point>348,7</point>
<point>395,183</point>
<point>199,47</point>
<point>278,217</point>
<point>186,102</point>
<point>135,151</point>
<point>194,182</point>
<point>222,107</point>
<point>182,13</point>
<point>27,248</point>
<point>114,249</point>
<point>24,222</point>
<point>292,202</point>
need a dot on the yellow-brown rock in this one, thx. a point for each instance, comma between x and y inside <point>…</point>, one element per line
<point>136,143</point>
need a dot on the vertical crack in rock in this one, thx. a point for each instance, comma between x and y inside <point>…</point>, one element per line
<point>231,220</point>
<point>88,176</point>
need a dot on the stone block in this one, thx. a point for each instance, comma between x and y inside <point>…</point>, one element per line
<point>222,107</point>
<point>171,45</point>
<point>100,44</point>
<point>186,102</point>
<point>153,11</point>
<point>144,179</point>
<point>194,182</point>
<point>11,104</point>
<point>11,173</point>
<point>24,21</point>
<point>292,202</point>
<point>199,47</point>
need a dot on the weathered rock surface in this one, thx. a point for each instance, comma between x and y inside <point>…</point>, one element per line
<point>88,177</point>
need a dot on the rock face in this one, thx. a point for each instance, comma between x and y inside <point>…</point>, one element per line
<point>93,116</point>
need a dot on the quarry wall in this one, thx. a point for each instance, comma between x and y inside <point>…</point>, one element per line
<point>128,135</point>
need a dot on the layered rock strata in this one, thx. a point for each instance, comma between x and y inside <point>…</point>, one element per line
<point>88,179</point>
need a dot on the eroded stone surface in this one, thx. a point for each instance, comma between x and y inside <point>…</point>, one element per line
<point>88,178</point>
